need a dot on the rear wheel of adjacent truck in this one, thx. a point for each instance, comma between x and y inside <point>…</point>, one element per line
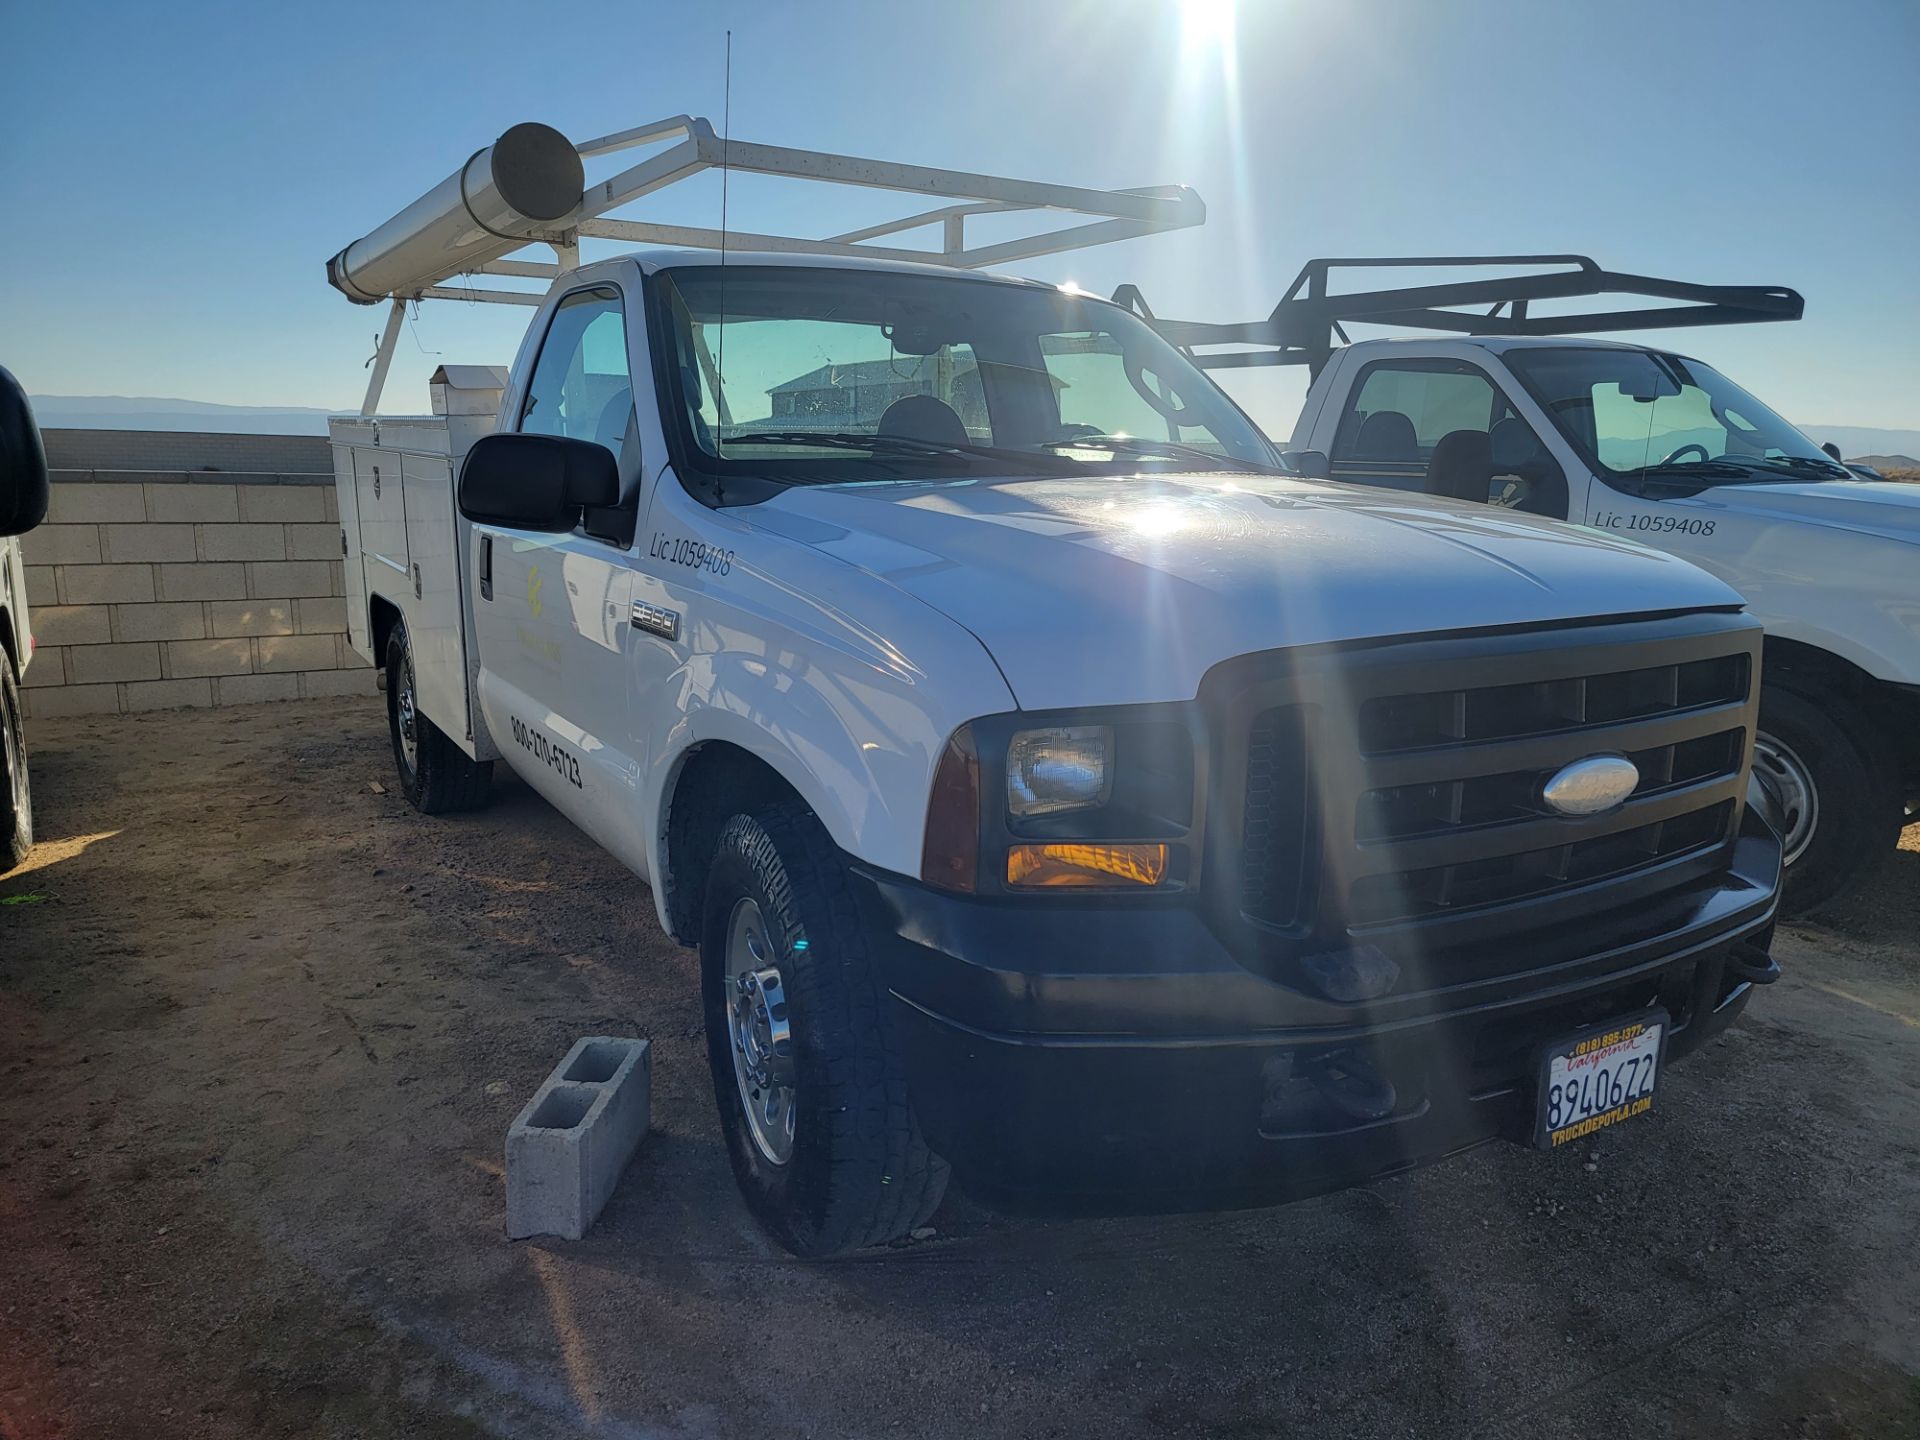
<point>16,793</point>
<point>1835,785</point>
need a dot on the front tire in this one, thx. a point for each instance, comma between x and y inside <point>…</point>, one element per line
<point>806,1065</point>
<point>435,776</point>
<point>1839,795</point>
<point>16,790</point>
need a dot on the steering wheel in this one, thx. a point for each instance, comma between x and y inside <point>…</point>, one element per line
<point>1674,457</point>
<point>1167,405</point>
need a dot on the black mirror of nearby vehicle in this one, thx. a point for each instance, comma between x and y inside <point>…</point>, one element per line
<point>536,482</point>
<point>1833,450</point>
<point>1308,464</point>
<point>23,462</point>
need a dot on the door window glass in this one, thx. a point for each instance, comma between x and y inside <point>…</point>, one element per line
<point>582,388</point>
<point>1416,425</point>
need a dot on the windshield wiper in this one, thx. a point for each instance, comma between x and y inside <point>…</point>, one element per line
<point>1685,468</point>
<point>1802,464</point>
<point>877,444</point>
<point>1168,449</point>
<point>843,440</point>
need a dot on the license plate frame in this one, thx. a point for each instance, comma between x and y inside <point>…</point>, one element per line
<point>1631,1031</point>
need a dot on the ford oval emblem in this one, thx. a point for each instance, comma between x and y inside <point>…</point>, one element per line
<point>1590,786</point>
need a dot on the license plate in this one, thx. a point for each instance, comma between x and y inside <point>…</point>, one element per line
<point>1598,1078</point>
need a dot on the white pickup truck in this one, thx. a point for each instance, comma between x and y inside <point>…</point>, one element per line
<point>1085,807</point>
<point>23,504</point>
<point>1518,411</point>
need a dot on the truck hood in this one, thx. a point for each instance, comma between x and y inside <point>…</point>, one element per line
<point>1875,507</point>
<point>1116,590</point>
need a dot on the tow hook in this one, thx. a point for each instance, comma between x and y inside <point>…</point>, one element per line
<point>1353,1087</point>
<point>1753,965</point>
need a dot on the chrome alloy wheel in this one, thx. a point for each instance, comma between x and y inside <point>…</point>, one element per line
<point>1790,782</point>
<point>762,1041</point>
<point>406,719</point>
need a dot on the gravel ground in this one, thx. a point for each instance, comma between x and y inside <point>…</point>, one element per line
<point>262,1030</point>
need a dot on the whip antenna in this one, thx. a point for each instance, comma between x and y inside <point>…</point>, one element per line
<point>726,171</point>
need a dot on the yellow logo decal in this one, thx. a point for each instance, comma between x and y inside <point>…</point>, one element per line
<point>533,591</point>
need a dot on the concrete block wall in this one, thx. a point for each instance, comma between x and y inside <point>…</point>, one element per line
<point>187,450</point>
<point>154,589</point>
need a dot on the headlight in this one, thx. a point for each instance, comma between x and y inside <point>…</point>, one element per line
<point>1054,770</point>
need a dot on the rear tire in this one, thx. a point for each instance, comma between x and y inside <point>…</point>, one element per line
<point>16,790</point>
<point>1823,761</point>
<point>798,1025</point>
<point>434,775</point>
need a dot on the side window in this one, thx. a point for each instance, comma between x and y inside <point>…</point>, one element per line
<point>582,388</point>
<point>1441,427</point>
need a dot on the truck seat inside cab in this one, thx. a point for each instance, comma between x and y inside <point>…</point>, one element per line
<point>924,417</point>
<point>1386,435</point>
<point>1462,466</point>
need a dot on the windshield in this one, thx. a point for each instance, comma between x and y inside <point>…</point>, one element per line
<point>821,374</point>
<point>1641,415</point>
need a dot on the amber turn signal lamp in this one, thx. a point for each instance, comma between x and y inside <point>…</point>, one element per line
<point>1110,867</point>
<point>950,857</point>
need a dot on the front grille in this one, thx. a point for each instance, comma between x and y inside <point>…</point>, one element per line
<point>1398,789</point>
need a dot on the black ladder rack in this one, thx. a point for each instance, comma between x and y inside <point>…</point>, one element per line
<point>1305,326</point>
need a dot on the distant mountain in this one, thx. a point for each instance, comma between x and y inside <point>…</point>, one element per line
<point>1860,442</point>
<point>144,412</point>
<point>1887,462</point>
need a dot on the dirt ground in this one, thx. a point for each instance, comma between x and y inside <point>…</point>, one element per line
<point>262,1030</point>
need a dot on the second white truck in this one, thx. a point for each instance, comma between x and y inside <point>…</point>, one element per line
<point>1519,409</point>
<point>1056,792</point>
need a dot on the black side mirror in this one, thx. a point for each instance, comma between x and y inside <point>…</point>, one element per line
<point>23,462</point>
<point>1833,450</point>
<point>536,482</point>
<point>1308,464</point>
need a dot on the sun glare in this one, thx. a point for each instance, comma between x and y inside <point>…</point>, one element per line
<point>1206,23</point>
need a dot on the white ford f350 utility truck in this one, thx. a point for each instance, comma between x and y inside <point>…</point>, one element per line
<point>1054,790</point>
<point>23,504</point>
<point>1511,408</point>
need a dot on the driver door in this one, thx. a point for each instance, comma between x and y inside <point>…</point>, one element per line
<point>553,624</point>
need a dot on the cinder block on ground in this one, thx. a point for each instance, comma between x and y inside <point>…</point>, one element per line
<point>567,1149</point>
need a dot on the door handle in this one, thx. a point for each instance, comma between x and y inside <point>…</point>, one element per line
<point>486,567</point>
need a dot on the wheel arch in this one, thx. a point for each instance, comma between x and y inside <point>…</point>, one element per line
<point>1888,710</point>
<point>712,780</point>
<point>382,616</point>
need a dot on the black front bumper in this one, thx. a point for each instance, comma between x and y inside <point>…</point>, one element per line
<point>1114,1055</point>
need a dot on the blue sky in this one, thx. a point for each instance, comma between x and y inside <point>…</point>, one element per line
<point>175,175</point>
